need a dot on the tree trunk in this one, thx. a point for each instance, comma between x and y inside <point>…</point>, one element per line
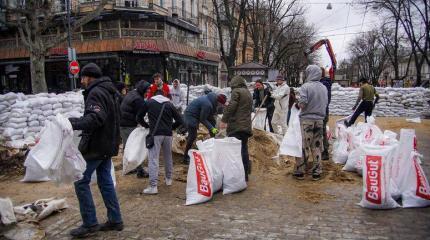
<point>37,69</point>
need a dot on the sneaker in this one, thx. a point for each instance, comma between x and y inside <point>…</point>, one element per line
<point>299,176</point>
<point>169,181</point>
<point>110,226</point>
<point>150,190</point>
<point>83,232</point>
<point>324,156</point>
<point>141,173</point>
<point>316,177</point>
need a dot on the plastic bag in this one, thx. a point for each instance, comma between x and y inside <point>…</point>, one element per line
<point>353,160</point>
<point>260,119</point>
<point>292,142</point>
<point>376,177</point>
<point>135,151</point>
<point>199,182</point>
<point>230,158</point>
<point>416,191</point>
<point>7,216</point>
<point>407,144</point>
<point>340,146</point>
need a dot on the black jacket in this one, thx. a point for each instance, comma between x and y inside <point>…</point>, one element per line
<point>100,123</point>
<point>129,108</point>
<point>268,104</point>
<point>153,108</point>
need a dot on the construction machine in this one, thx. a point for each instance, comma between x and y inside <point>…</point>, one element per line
<point>329,49</point>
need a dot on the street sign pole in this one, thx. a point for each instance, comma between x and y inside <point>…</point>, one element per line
<point>71,55</point>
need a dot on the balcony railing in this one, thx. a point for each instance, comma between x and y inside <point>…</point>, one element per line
<point>132,3</point>
<point>142,33</point>
<point>183,14</point>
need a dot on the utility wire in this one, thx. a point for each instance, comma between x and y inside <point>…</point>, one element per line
<point>347,20</point>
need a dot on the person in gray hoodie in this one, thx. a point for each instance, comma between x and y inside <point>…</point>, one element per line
<point>313,102</point>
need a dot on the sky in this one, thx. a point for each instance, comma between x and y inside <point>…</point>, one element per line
<point>340,24</point>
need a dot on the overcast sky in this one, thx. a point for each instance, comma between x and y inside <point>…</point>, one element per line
<point>337,25</point>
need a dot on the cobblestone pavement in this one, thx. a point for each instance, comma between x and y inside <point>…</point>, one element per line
<point>268,209</point>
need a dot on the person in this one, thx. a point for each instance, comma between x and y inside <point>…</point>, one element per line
<point>291,102</point>
<point>129,109</point>
<point>100,141</point>
<point>201,110</point>
<point>366,101</point>
<point>158,86</point>
<point>121,88</point>
<point>260,92</point>
<point>237,117</point>
<point>327,83</point>
<point>281,96</point>
<point>313,103</point>
<point>177,95</point>
<point>160,107</point>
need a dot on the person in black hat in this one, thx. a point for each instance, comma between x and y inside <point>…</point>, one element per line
<point>100,141</point>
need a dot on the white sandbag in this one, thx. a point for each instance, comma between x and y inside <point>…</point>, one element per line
<point>340,146</point>
<point>9,132</point>
<point>33,117</point>
<point>50,207</point>
<point>230,157</point>
<point>135,151</point>
<point>36,112</point>
<point>376,177</point>
<point>46,107</point>
<point>199,182</point>
<point>15,125</point>
<point>47,113</point>
<point>16,137</point>
<point>260,119</point>
<point>353,160</point>
<point>33,124</point>
<point>7,216</point>
<point>416,191</point>
<point>407,144</point>
<point>35,129</point>
<point>112,174</point>
<point>57,111</point>
<point>18,120</point>
<point>292,142</point>
<point>213,162</point>
<point>57,105</point>
<point>414,120</point>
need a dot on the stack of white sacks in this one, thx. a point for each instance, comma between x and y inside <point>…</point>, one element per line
<point>391,168</point>
<point>23,116</point>
<point>393,102</point>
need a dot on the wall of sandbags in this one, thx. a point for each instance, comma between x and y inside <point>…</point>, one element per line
<point>393,102</point>
<point>23,116</point>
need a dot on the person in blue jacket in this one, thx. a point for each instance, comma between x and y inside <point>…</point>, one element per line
<point>201,110</point>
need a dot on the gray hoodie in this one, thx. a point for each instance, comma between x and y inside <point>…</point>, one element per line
<point>313,95</point>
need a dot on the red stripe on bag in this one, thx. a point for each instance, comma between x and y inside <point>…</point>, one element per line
<point>423,190</point>
<point>203,184</point>
<point>373,179</point>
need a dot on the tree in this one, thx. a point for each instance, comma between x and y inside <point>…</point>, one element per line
<point>34,20</point>
<point>369,55</point>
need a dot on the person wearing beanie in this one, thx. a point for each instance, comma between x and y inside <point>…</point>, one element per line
<point>130,106</point>
<point>366,101</point>
<point>281,94</point>
<point>312,101</point>
<point>201,110</point>
<point>177,95</point>
<point>237,118</point>
<point>158,86</point>
<point>100,126</point>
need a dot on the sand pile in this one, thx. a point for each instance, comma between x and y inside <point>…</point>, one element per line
<point>12,161</point>
<point>263,149</point>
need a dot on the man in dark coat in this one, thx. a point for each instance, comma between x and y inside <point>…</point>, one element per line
<point>260,92</point>
<point>99,142</point>
<point>129,109</point>
<point>237,116</point>
<point>327,83</point>
<point>201,110</point>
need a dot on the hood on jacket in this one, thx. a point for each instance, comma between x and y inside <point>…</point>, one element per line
<point>160,98</point>
<point>313,73</point>
<point>142,86</point>
<point>104,82</point>
<point>237,82</point>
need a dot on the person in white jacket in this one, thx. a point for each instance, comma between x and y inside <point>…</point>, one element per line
<point>177,95</point>
<point>281,94</point>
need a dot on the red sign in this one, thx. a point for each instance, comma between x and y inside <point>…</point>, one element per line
<point>146,46</point>
<point>373,180</point>
<point>74,67</point>
<point>201,55</point>
<point>58,51</point>
<point>423,189</point>
<point>203,183</point>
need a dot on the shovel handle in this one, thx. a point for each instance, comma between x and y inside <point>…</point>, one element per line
<point>259,107</point>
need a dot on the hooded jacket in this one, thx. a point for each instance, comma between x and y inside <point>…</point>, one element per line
<point>152,107</point>
<point>202,110</point>
<point>237,114</point>
<point>100,122</point>
<point>177,96</point>
<point>131,103</point>
<point>313,97</point>
<point>281,94</point>
<point>154,88</point>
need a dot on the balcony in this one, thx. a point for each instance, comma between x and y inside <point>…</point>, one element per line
<point>184,15</point>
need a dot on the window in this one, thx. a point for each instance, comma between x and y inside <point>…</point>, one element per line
<point>91,26</point>
<point>192,8</point>
<point>184,10</point>
<point>161,3</point>
<point>110,24</point>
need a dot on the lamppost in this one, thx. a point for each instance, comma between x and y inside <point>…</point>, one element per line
<point>189,70</point>
<point>69,43</point>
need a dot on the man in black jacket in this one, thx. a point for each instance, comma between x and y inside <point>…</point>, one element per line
<point>99,142</point>
<point>129,108</point>
<point>162,136</point>
<point>260,92</point>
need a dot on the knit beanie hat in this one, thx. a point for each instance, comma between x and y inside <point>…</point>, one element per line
<point>91,70</point>
<point>221,98</point>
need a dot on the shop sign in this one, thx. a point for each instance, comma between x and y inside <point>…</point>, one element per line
<point>58,51</point>
<point>146,47</point>
<point>201,55</point>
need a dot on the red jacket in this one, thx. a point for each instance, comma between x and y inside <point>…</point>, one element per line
<point>153,89</point>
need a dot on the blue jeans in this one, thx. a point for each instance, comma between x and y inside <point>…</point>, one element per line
<point>107,189</point>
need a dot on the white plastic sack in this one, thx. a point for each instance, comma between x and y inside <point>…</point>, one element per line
<point>135,151</point>
<point>407,144</point>
<point>340,146</point>
<point>199,182</point>
<point>353,160</point>
<point>414,120</point>
<point>213,162</point>
<point>260,119</point>
<point>7,216</point>
<point>230,157</point>
<point>292,142</point>
<point>376,177</point>
<point>417,189</point>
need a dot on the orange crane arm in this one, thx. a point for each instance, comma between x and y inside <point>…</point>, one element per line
<point>329,49</point>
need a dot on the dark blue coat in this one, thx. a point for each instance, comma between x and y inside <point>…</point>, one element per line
<point>202,109</point>
<point>327,83</point>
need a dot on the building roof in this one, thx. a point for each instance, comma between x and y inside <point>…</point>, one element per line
<point>251,65</point>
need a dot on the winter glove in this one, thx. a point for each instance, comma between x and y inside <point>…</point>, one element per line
<point>214,131</point>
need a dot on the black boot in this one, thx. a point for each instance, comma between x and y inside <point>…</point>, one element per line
<point>141,173</point>
<point>109,226</point>
<point>83,232</point>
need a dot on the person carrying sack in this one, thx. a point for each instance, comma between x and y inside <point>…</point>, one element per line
<point>161,114</point>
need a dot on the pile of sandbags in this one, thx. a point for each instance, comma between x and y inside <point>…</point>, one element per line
<point>23,116</point>
<point>393,102</point>
<point>391,168</point>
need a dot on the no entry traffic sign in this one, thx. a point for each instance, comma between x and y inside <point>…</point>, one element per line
<point>74,67</point>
